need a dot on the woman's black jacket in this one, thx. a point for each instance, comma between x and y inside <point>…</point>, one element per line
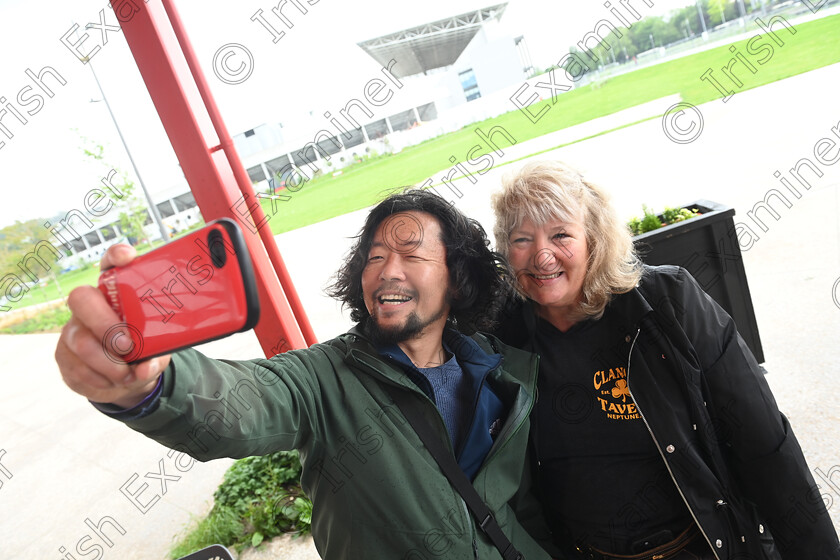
<point>708,408</point>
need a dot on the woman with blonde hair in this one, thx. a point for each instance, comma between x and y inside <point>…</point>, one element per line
<point>656,435</point>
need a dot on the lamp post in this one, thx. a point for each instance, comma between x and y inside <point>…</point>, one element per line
<point>702,19</point>
<point>743,10</point>
<point>152,207</point>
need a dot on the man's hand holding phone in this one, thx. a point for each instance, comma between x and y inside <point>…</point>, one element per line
<point>195,289</point>
<point>86,368</point>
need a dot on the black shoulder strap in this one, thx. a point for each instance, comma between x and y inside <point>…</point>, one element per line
<point>453,472</point>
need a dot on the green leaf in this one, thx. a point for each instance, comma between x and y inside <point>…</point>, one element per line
<point>256,539</point>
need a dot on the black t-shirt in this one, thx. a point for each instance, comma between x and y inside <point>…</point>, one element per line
<point>602,480</point>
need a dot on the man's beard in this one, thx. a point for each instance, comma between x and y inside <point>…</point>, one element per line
<point>411,328</point>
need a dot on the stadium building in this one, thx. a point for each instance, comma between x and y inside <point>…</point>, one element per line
<point>450,73</point>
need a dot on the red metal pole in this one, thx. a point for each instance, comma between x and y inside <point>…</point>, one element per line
<point>208,171</point>
<point>242,178</point>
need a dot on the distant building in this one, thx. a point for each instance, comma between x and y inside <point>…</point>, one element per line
<point>465,56</point>
<point>87,244</point>
<point>451,72</point>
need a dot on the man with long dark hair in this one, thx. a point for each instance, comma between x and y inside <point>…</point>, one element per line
<point>419,279</point>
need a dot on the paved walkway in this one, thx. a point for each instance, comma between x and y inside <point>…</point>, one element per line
<point>68,463</point>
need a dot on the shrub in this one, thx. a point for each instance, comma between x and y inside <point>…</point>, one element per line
<point>50,320</point>
<point>259,498</point>
<point>652,221</point>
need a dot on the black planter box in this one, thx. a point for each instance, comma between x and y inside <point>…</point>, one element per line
<point>706,246</point>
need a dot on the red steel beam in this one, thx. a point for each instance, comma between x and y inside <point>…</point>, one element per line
<point>209,171</point>
<point>242,178</point>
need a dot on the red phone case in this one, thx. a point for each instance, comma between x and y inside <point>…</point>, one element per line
<point>193,290</point>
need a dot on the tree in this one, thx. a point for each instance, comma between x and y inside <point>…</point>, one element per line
<point>721,11</point>
<point>17,240</point>
<point>133,211</point>
<point>688,17</point>
<point>663,33</point>
<point>134,217</point>
<point>625,50</point>
<point>25,257</point>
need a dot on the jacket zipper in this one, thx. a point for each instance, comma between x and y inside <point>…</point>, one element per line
<point>659,449</point>
<point>472,416</point>
<point>505,436</point>
<point>502,439</point>
<point>470,521</point>
<point>471,525</point>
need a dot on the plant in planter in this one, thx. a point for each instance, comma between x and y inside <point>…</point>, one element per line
<point>652,221</point>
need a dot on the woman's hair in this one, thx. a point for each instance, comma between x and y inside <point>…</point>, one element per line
<point>544,191</point>
<point>479,279</point>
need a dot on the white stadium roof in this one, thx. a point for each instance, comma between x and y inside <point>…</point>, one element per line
<point>431,45</point>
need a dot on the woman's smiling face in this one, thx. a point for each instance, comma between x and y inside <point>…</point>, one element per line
<point>550,262</point>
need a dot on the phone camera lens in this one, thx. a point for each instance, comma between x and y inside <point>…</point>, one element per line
<point>217,248</point>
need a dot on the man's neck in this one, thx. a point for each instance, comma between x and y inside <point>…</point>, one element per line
<point>426,350</point>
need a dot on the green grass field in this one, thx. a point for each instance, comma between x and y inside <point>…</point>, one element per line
<point>364,184</point>
<point>49,290</point>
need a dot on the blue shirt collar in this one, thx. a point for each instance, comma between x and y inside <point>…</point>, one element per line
<point>469,354</point>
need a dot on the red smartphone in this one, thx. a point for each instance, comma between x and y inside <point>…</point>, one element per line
<point>195,289</point>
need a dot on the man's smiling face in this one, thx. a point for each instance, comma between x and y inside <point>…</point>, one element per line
<point>406,281</point>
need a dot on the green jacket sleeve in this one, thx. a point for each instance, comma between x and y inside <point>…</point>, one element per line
<point>219,408</point>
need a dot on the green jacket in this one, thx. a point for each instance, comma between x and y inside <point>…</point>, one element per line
<point>377,492</point>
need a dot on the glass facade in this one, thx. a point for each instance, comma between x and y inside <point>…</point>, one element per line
<point>470,84</point>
